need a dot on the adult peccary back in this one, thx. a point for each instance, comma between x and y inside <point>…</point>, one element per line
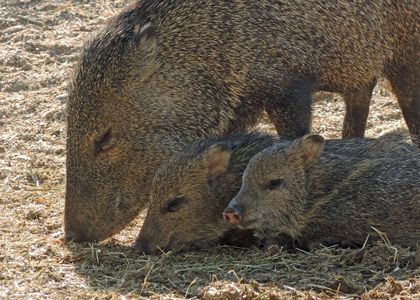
<point>190,190</point>
<point>317,197</point>
<point>163,74</point>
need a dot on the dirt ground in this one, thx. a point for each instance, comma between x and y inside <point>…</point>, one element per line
<point>39,43</point>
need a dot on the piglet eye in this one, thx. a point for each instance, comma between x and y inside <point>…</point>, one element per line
<point>175,204</point>
<point>102,144</point>
<point>274,184</point>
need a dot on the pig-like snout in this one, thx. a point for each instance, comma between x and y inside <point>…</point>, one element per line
<point>142,247</point>
<point>232,214</point>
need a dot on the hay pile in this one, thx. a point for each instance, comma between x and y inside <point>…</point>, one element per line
<point>233,273</point>
<point>39,44</point>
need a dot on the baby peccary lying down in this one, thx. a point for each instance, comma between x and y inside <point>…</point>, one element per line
<point>319,197</point>
<point>191,190</point>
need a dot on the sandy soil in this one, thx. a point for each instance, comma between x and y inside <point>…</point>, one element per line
<point>39,43</point>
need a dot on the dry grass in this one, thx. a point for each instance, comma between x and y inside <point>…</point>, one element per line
<point>39,44</point>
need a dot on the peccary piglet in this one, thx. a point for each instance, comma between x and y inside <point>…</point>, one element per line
<point>147,85</point>
<point>318,197</point>
<point>190,191</point>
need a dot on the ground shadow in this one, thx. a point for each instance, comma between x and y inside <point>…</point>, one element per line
<point>124,270</point>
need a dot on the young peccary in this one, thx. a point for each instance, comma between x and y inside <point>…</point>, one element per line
<point>318,197</point>
<point>191,190</point>
<point>163,74</point>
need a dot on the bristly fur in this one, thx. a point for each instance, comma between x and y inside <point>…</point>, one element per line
<point>334,199</point>
<point>198,223</point>
<point>163,74</point>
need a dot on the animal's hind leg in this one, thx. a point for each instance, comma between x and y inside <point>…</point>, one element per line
<point>405,82</point>
<point>247,116</point>
<point>290,111</point>
<point>357,103</point>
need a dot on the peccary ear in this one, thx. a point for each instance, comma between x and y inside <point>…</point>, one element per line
<point>145,37</point>
<point>309,148</point>
<point>217,159</point>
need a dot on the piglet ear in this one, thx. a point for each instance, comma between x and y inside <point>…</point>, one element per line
<point>217,158</point>
<point>145,37</point>
<point>308,148</point>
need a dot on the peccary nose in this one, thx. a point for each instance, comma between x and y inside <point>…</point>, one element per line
<point>232,215</point>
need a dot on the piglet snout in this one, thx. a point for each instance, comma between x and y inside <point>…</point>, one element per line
<point>232,215</point>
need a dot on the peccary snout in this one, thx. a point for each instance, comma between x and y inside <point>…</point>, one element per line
<point>232,214</point>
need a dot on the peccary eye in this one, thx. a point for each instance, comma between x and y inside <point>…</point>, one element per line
<point>175,204</point>
<point>102,144</point>
<point>274,184</point>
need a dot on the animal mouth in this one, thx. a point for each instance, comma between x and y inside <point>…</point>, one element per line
<point>248,224</point>
<point>177,246</point>
<point>267,232</point>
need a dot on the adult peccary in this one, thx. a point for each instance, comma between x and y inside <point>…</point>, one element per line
<point>190,190</point>
<point>317,197</point>
<point>162,74</point>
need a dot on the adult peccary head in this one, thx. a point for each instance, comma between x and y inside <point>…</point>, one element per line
<point>190,190</point>
<point>139,94</point>
<point>316,197</point>
<point>110,149</point>
<point>165,73</point>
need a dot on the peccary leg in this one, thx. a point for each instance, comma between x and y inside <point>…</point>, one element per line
<point>405,82</point>
<point>247,116</point>
<point>357,110</point>
<point>291,113</point>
